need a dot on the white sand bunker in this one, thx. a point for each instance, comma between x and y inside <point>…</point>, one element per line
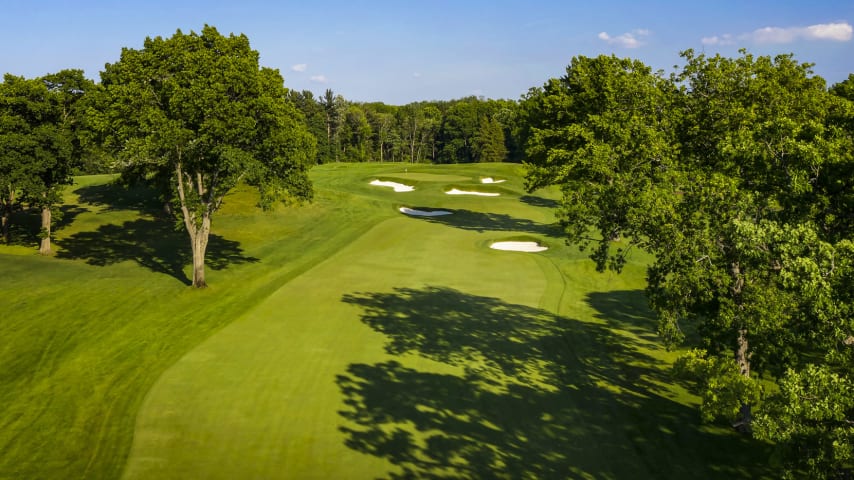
<point>519,246</point>
<point>491,180</point>
<point>398,187</point>
<point>422,213</point>
<point>455,191</point>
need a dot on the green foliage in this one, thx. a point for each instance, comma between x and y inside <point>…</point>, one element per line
<point>198,110</point>
<point>723,388</point>
<point>604,133</point>
<point>202,101</point>
<point>811,420</point>
<point>489,143</point>
<point>40,138</point>
<point>736,175</point>
<point>457,131</point>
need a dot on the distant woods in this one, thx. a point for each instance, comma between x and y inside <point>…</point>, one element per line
<point>466,130</point>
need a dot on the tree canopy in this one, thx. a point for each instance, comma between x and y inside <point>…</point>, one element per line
<point>40,122</point>
<point>735,175</point>
<point>198,110</point>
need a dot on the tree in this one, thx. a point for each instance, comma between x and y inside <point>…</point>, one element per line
<point>200,107</point>
<point>488,143</point>
<point>334,107</point>
<point>459,126</point>
<point>315,119</point>
<point>15,146</point>
<point>40,142</point>
<point>732,174</point>
<point>604,133</point>
<point>356,134</point>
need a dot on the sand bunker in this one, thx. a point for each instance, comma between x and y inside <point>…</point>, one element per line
<point>455,191</point>
<point>519,246</point>
<point>491,180</point>
<point>398,187</point>
<point>422,213</point>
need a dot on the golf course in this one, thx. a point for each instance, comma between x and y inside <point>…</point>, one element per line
<point>357,336</point>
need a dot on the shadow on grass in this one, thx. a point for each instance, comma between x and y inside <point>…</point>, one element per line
<point>536,201</point>
<point>481,222</point>
<point>26,224</point>
<point>536,396</point>
<point>115,196</point>
<point>626,310</point>
<point>153,244</point>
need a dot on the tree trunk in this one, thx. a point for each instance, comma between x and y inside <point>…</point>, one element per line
<point>44,249</point>
<point>742,358</point>
<point>199,241</point>
<point>198,233</point>
<point>742,351</point>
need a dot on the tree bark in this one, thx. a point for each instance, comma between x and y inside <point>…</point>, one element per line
<point>44,249</point>
<point>742,358</point>
<point>742,352</point>
<point>199,241</point>
<point>198,232</point>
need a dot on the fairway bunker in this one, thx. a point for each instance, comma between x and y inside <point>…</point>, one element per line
<point>491,180</point>
<point>398,187</point>
<point>530,247</point>
<point>455,191</point>
<point>423,213</point>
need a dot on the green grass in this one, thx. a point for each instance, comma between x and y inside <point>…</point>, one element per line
<point>339,340</point>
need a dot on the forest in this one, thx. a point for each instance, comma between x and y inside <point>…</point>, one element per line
<point>736,175</point>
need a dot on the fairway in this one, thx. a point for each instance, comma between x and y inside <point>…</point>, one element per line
<point>343,339</point>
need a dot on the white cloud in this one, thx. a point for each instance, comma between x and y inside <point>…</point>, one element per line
<point>416,75</point>
<point>725,39</point>
<point>300,67</point>
<point>774,35</point>
<point>633,39</point>
<point>836,32</point>
<point>319,79</point>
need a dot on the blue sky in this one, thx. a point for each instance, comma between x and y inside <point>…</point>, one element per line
<point>403,51</point>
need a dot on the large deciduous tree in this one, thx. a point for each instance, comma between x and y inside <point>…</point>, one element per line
<point>733,174</point>
<point>200,108</point>
<point>39,142</point>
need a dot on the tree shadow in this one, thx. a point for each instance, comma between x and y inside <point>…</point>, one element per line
<point>115,196</point>
<point>153,244</point>
<point>537,396</point>
<point>482,222</point>
<point>25,229</point>
<point>626,310</point>
<point>536,201</point>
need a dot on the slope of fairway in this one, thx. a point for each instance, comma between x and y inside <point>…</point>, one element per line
<point>417,351</point>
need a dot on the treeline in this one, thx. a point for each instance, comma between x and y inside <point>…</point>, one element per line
<point>470,129</point>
